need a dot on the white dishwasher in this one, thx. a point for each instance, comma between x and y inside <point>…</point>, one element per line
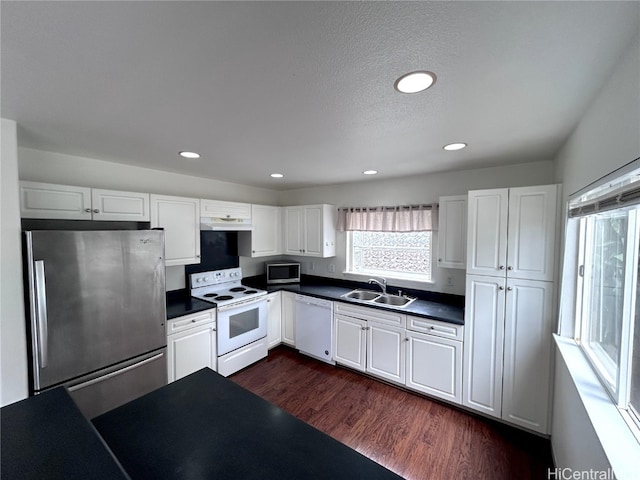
<point>314,327</point>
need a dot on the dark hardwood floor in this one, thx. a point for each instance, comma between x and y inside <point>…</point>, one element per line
<point>409,434</point>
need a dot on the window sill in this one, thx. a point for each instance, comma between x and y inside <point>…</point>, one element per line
<point>615,435</point>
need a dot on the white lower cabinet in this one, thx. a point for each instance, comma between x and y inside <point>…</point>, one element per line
<point>422,354</point>
<point>350,342</point>
<point>289,318</point>
<point>386,352</point>
<point>507,358</point>
<point>274,319</point>
<point>191,344</point>
<point>434,366</point>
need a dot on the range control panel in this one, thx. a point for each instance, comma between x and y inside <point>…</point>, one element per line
<point>205,279</point>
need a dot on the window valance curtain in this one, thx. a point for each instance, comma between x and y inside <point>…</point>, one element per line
<point>409,218</point>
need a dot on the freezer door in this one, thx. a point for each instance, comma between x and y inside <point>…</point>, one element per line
<point>108,389</point>
<point>97,298</point>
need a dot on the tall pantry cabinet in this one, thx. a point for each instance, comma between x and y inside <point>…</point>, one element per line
<point>509,303</point>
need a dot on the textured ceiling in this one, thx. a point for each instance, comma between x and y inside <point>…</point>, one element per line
<point>305,88</point>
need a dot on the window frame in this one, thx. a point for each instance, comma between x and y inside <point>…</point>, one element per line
<point>576,257</point>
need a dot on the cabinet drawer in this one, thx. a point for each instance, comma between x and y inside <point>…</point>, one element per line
<point>435,327</point>
<point>374,314</point>
<point>190,321</point>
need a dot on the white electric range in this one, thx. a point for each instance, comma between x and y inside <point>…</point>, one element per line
<point>241,317</point>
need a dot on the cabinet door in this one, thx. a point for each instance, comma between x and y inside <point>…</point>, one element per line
<point>46,200</point>
<point>386,352</point>
<point>434,366</point>
<point>293,230</point>
<point>351,342</point>
<point>274,319</point>
<point>267,230</point>
<point>180,218</point>
<point>452,234</point>
<point>191,350</point>
<point>487,232</point>
<point>288,318</point>
<point>532,231</point>
<point>483,344</point>
<point>116,205</point>
<point>527,354</point>
<point>313,234</point>
<point>225,210</point>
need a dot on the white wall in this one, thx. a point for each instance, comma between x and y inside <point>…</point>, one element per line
<point>407,191</point>
<point>13,340</point>
<point>41,166</point>
<point>607,137</point>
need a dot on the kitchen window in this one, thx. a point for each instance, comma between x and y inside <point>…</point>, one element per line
<point>390,242</point>
<point>607,308</point>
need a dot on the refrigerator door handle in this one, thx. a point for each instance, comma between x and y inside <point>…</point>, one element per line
<point>116,373</point>
<point>41,308</point>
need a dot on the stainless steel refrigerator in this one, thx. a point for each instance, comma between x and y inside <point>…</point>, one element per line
<point>97,313</point>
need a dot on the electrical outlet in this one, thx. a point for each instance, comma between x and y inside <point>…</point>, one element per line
<point>450,281</point>
<point>332,268</point>
<point>312,266</point>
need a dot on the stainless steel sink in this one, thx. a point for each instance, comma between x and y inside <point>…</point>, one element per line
<point>368,296</point>
<point>362,295</point>
<point>395,300</point>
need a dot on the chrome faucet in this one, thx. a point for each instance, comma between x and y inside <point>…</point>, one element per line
<point>382,284</point>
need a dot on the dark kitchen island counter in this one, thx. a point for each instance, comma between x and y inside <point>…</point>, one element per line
<point>46,437</point>
<point>206,426</point>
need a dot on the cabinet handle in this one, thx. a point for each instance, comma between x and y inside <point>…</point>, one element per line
<point>406,339</point>
<point>88,210</point>
<point>439,259</point>
<point>213,330</point>
<point>193,320</point>
<point>509,267</point>
<point>253,251</point>
<point>95,210</point>
<point>501,267</point>
<point>364,328</point>
<point>197,256</point>
<point>432,327</point>
<point>509,288</point>
<point>500,287</point>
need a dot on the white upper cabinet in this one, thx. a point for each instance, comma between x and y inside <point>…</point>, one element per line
<point>487,232</point>
<point>266,237</point>
<point>225,210</point>
<point>180,219</point>
<point>512,232</point>
<point>310,230</point>
<point>66,202</point>
<point>532,232</point>
<point>452,234</point>
<point>110,205</point>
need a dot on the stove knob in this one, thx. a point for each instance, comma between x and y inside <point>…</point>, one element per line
<point>206,279</point>
<point>198,280</point>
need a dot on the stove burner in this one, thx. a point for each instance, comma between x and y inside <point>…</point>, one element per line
<point>224,297</point>
<point>209,295</point>
<point>250,291</point>
<point>237,289</point>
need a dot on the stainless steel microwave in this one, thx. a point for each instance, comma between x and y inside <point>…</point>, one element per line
<point>283,273</point>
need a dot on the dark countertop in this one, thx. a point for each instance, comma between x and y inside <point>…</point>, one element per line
<point>46,437</point>
<point>443,307</point>
<point>419,308</point>
<point>205,426</point>
<point>179,303</point>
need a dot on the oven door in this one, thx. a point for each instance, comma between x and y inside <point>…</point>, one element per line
<point>241,323</point>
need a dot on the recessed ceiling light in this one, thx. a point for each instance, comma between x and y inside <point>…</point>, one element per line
<point>370,172</point>
<point>189,154</point>
<point>277,175</point>
<point>455,146</point>
<point>415,82</point>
